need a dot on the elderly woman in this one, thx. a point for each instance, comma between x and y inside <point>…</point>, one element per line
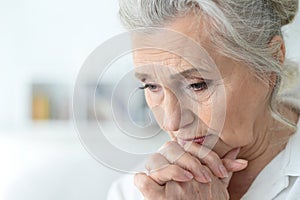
<point>255,153</point>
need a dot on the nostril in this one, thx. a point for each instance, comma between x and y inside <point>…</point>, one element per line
<point>180,121</point>
<point>171,120</point>
<point>171,124</point>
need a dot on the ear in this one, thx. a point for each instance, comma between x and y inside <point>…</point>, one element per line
<point>279,54</point>
<point>272,80</point>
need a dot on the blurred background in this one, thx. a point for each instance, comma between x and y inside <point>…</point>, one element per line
<point>43,44</point>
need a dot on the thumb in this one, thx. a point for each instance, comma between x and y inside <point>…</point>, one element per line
<point>232,164</point>
<point>235,165</point>
<point>232,154</point>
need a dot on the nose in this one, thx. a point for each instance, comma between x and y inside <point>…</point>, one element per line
<point>172,111</point>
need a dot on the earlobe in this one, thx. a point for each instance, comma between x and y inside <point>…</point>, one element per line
<point>279,54</point>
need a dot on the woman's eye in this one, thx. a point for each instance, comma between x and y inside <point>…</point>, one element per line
<point>198,86</point>
<point>151,87</point>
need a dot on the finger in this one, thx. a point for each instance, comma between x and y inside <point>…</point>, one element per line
<point>174,153</point>
<point>227,179</point>
<point>232,154</point>
<point>148,187</point>
<point>207,157</point>
<point>171,173</point>
<point>231,163</point>
<point>161,171</point>
<point>155,162</point>
<point>235,165</point>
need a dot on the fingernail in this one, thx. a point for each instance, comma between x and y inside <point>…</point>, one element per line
<point>188,174</point>
<point>241,161</point>
<point>201,178</point>
<point>206,176</point>
<point>223,171</point>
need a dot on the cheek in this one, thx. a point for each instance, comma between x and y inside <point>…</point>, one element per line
<point>204,113</point>
<point>154,102</point>
<point>214,112</point>
<point>242,109</point>
<point>208,106</point>
<point>238,123</point>
<point>246,104</point>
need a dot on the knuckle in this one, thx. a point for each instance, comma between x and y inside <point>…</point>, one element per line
<point>171,145</point>
<point>173,190</point>
<point>172,151</point>
<point>171,184</point>
<point>144,186</point>
<point>140,182</point>
<point>173,169</point>
<point>155,160</point>
<point>211,158</point>
<point>155,157</point>
<point>194,162</point>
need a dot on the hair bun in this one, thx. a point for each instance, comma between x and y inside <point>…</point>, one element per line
<point>286,10</point>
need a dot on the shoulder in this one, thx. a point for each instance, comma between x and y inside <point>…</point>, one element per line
<point>124,189</point>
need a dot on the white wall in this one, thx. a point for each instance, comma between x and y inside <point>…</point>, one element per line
<point>47,40</point>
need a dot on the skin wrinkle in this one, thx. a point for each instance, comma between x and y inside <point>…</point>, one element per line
<point>225,16</point>
<point>168,61</point>
<point>247,121</point>
<point>242,36</point>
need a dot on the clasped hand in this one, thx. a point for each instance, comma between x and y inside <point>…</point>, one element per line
<point>188,172</point>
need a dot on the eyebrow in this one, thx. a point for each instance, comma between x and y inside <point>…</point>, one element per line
<point>142,76</point>
<point>189,73</point>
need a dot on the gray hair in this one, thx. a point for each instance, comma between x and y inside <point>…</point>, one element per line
<point>244,29</point>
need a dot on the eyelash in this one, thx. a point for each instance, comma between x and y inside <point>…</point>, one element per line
<point>203,86</point>
<point>147,86</point>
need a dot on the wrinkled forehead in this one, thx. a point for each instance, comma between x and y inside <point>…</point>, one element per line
<point>183,42</point>
<point>169,51</point>
<point>162,63</point>
<point>151,57</point>
<point>164,66</point>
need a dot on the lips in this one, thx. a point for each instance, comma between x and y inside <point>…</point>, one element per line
<point>198,140</point>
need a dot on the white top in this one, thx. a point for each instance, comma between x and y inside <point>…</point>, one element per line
<point>279,180</point>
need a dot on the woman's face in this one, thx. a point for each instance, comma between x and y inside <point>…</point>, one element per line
<point>187,103</point>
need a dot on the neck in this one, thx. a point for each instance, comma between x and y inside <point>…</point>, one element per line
<point>271,138</point>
